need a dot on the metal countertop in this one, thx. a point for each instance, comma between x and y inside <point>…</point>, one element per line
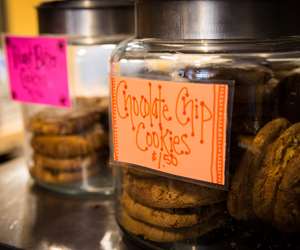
<point>34,218</point>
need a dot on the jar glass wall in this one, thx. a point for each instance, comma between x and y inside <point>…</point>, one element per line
<point>67,148</point>
<point>261,206</point>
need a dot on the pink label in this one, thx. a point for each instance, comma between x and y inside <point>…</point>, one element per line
<point>37,68</point>
<point>179,128</point>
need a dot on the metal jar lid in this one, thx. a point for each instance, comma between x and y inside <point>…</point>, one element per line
<point>88,19</point>
<point>217,19</point>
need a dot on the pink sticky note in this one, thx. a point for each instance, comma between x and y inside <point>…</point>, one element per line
<point>37,68</point>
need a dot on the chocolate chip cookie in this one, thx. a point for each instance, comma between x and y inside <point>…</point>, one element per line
<point>67,146</point>
<point>168,218</point>
<point>76,163</point>
<point>268,180</point>
<point>240,196</point>
<point>286,214</point>
<point>62,176</point>
<point>53,121</point>
<point>159,234</point>
<point>167,193</point>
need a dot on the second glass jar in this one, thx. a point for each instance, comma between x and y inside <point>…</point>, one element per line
<point>68,149</point>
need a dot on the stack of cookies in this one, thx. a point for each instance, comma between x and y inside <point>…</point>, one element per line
<point>67,143</point>
<point>266,183</point>
<point>164,210</point>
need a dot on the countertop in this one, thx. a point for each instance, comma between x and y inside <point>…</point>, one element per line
<point>34,218</point>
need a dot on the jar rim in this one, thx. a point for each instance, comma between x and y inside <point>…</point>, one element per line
<point>216,19</point>
<point>210,46</point>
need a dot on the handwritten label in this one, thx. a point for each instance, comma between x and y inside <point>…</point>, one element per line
<point>177,128</point>
<point>37,68</point>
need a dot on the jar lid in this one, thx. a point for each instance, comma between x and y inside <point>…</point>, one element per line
<point>87,19</point>
<point>217,19</point>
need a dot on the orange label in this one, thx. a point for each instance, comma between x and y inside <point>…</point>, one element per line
<point>179,128</point>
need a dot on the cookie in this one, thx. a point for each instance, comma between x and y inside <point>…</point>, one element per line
<point>283,68</point>
<point>54,121</point>
<point>289,98</point>
<point>245,142</point>
<point>77,163</point>
<point>158,234</point>
<point>286,214</point>
<point>267,182</point>
<point>91,102</point>
<point>241,73</point>
<point>54,176</point>
<point>67,146</point>
<point>99,106</point>
<point>139,172</point>
<point>167,193</point>
<point>167,218</point>
<point>239,201</point>
<point>254,86</point>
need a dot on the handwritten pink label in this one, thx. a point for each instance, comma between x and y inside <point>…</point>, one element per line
<point>37,68</point>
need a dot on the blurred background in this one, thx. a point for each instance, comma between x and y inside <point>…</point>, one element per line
<point>17,17</point>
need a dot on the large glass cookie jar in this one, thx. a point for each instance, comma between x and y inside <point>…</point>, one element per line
<point>205,126</point>
<point>68,148</point>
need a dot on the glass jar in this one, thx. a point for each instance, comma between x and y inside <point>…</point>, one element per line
<point>68,149</point>
<point>205,127</point>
